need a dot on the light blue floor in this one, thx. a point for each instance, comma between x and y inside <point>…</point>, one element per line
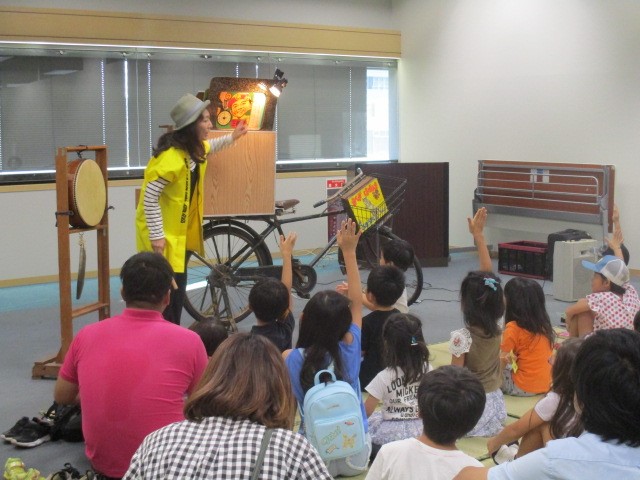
<point>45,295</point>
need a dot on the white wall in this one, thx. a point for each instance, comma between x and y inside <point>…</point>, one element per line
<point>530,80</point>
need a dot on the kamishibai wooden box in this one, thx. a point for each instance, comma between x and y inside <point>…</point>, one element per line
<point>240,180</point>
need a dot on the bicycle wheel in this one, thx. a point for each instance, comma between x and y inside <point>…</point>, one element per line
<point>214,291</point>
<point>371,244</point>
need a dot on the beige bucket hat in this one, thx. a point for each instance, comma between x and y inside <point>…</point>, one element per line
<point>187,110</point>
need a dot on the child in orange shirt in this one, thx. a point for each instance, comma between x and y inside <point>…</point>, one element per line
<point>527,340</point>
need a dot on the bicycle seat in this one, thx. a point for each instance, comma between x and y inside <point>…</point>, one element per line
<point>287,204</point>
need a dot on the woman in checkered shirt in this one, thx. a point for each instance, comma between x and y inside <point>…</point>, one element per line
<point>226,419</point>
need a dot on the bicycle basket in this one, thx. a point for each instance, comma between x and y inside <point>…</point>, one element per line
<point>374,199</point>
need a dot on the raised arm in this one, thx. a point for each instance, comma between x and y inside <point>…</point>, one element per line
<point>616,241</point>
<point>225,141</point>
<point>347,241</point>
<point>476,229</point>
<point>615,217</point>
<point>286,249</point>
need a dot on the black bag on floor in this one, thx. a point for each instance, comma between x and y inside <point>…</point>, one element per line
<point>563,236</point>
<point>67,423</point>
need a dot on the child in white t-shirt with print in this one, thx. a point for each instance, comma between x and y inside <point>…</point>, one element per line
<point>406,358</point>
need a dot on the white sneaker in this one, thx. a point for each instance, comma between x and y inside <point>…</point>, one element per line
<point>506,453</point>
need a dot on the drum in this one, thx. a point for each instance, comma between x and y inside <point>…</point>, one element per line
<point>87,193</point>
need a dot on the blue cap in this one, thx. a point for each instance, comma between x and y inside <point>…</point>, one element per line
<point>612,268</point>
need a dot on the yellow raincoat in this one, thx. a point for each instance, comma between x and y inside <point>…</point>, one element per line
<point>182,214</point>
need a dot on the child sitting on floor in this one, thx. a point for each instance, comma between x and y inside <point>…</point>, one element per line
<point>450,402</point>
<point>527,340</point>
<point>406,358</point>
<point>384,286</point>
<point>613,303</point>
<point>477,346</point>
<point>399,253</point>
<point>329,338</point>
<point>271,301</point>
<point>554,416</point>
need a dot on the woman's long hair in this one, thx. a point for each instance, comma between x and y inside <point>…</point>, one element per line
<point>184,139</point>
<point>565,421</point>
<point>325,320</point>
<point>525,305</point>
<point>404,346</point>
<point>245,379</point>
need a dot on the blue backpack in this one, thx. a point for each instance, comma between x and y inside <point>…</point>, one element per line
<point>333,418</point>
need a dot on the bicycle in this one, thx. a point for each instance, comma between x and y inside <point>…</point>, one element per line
<point>236,255</point>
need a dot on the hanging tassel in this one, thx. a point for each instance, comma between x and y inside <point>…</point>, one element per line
<point>81,266</point>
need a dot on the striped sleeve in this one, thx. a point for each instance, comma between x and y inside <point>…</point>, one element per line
<point>219,143</point>
<point>152,208</point>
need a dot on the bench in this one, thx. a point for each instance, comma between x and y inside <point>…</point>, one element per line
<point>577,193</point>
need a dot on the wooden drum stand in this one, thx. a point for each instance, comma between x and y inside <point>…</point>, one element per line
<point>49,367</point>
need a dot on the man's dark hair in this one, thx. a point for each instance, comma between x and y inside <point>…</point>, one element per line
<point>146,279</point>
<point>386,284</point>
<point>451,401</point>
<point>399,252</point>
<point>606,373</point>
<point>269,299</point>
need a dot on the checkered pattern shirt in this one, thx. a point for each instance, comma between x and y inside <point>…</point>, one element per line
<point>222,448</point>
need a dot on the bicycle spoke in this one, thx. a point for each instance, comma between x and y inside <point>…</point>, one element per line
<point>214,289</point>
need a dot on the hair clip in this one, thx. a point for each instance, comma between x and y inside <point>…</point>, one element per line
<point>491,283</point>
<point>414,342</point>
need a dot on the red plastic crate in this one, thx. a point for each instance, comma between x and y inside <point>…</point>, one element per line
<point>523,258</point>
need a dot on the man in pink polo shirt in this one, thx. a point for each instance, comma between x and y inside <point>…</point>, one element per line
<point>133,371</point>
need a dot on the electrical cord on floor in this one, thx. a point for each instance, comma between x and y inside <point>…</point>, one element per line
<point>427,287</point>
<point>420,300</point>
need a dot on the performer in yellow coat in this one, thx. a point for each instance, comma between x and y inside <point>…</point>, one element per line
<point>170,211</point>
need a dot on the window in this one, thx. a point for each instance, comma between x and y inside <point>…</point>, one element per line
<point>333,111</point>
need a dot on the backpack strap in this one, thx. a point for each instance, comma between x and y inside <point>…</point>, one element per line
<point>263,450</point>
<point>330,367</point>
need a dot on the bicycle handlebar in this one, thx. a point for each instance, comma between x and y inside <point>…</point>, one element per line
<point>321,202</point>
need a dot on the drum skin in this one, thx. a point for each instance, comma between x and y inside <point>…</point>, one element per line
<point>87,193</point>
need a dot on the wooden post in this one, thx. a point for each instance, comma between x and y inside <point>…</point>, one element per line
<point>49,366</point>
